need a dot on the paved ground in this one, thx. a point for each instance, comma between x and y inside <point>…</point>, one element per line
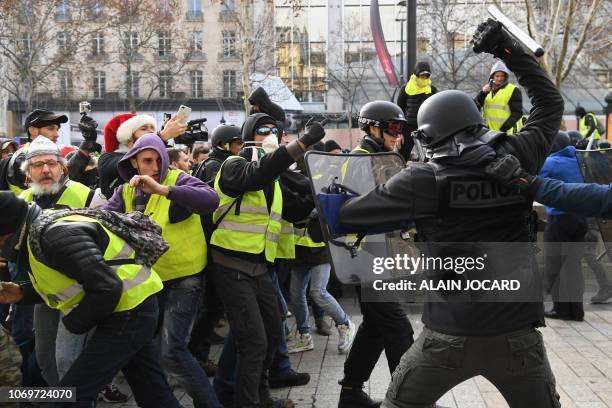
<point>580,354</point>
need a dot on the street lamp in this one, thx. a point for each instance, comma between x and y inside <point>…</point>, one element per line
<point>401,17</point>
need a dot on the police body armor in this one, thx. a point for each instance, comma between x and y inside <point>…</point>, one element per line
<point>479,219</point>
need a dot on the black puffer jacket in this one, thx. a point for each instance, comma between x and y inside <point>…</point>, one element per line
<point>109,175</point>
<point>410,104</point>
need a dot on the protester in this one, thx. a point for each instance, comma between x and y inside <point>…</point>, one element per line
<point>179,160</point>
<point>7,147</point>
<point>588,125</point>
<point>120,133</point>
<point>174,200</point>
<point>244,246</point>
<point>200,153</point>
<point>563,236</point>
<point>68,253</point>
<point>331,146</point>
<point>417,90</point>
<point>501,101</point>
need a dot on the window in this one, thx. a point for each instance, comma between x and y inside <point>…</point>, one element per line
<point>165,84</point>
<point>228,6</point>
<point>164,44</point>
<point>26,7</point>
<point>229,44</point>
<point>26,43</point>
<point>131,41</point>
<point>99,84</point>
<point>195,43</point>
<point>98,44</point>
<point>65,82</point>
<point>135,77</point>
<point>229,84</point>
<point>96,8</point>
<point>63,41</point>
<point>164,7</point>
<point>197,84</point>
<point>62,10</point>
<point>194,10</point>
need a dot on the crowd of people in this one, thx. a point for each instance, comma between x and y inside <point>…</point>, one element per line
<point>127,257</point>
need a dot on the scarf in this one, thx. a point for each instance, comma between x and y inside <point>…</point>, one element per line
<point>416,86</point>
<point>142,234</point>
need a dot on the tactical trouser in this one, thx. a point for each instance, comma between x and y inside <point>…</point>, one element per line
<point>515,362</point>
<point>385,326</point>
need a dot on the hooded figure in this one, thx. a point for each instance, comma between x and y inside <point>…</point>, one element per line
<point>417,90</point>
<point>175,201</point>
<point>501,102</point>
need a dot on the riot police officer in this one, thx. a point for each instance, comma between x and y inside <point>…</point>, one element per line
<point>385,325</point>
<point>450,200</point>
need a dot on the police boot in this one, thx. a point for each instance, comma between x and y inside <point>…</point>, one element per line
<point>354,397</point>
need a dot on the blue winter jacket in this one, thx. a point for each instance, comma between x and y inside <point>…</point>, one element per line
<point>561,165</point>
<point>590,200</point>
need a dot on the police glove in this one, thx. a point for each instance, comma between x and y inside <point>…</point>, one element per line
<point>490,37</point>
<point>506,169</point>
<point>313,134</point>
<point>88,127</point>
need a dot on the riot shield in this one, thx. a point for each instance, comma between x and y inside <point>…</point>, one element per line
<point>596,167</point>
<point>358,174</point>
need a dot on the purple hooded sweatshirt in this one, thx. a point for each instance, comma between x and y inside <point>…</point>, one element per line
<point>189,195</point>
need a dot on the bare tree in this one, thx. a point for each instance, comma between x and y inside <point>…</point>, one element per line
<point>38,39</point>
<point>149,46</point>
<point>452,56</point>
<point>347,75</point>
<point>565,28</point>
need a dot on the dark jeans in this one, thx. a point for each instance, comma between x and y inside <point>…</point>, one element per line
<point>251,305</point>
<point>179,301</point>
<point>386,327</point>
<point>123,341</point>
<point>564,238</point>
<point>516,363</point>
<point>212,311</point>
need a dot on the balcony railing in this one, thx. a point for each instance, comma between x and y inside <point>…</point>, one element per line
<point>195,15</point>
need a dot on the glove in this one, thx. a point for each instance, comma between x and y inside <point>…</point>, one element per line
<point>88,127</point>
<point>506,169</point>
<point>491,37</point>
<point>314,134</point>
<point>90,146</point>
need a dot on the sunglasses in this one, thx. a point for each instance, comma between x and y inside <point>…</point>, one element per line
<point>394,128</point>
<point>263,131</point>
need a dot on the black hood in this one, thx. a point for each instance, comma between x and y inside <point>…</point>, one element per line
<point>254,121</point>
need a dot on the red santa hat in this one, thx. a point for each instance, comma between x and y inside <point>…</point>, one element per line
<point>119,130</point>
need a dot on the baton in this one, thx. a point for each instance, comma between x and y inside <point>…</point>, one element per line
<point>513,29</point>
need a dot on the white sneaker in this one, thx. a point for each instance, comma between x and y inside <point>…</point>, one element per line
<point>346,335</point>
<point>303,342</point>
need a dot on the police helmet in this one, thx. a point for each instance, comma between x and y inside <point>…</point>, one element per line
<point>379,113</point>
<point>574,136</point>
<point>223,134</point>
<point>444,114</point>
<point>560,141</point>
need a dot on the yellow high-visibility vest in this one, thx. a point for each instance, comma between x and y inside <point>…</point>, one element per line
<point>496,109</point>
<point>64,293</point>
<point>74,196</point>
<point>254,229</point>
<point>584,128</point>
<point>187,253</point>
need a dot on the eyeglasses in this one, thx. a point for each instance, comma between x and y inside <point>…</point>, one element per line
<point>264,131</point>
<point>52,164</point>
<point>394,128</point>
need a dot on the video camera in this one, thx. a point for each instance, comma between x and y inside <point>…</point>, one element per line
<point>196,131</point>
